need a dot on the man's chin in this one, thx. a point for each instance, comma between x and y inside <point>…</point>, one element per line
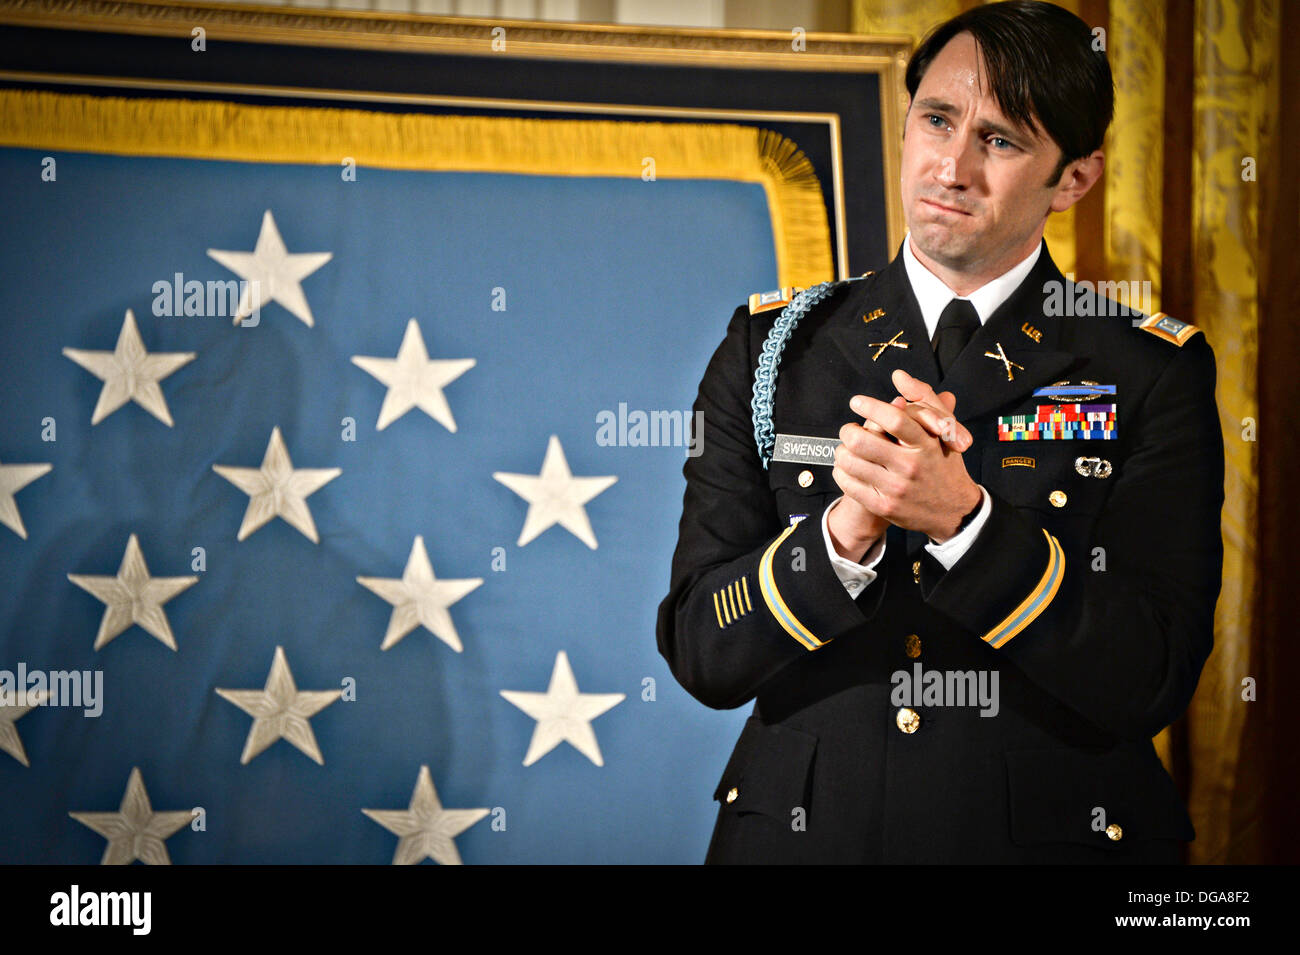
<point>941,246</point>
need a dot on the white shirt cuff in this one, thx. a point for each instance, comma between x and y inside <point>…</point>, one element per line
<point>854,577</point>
<point>955,547</point>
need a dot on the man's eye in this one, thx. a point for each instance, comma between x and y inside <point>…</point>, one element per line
<point>1000,143</point>
<point>935,120</point>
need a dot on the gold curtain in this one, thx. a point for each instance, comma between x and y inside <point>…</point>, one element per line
<point>1233,54</point>
<point>912,17</point>
<point>1135,145</point>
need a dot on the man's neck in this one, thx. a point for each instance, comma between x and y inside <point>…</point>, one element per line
<point>932,294</point>
<point>963,283</point>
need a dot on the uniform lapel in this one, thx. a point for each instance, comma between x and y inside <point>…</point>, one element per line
<point>887,311</point>
<point>1027,337</point>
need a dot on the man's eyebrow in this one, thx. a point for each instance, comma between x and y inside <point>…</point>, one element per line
<point>937,105</point>
<point>1008,132</point>
<point>997,129</point>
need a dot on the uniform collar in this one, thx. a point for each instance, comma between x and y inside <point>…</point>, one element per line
<point>932,295</point>
<point>880,328</point>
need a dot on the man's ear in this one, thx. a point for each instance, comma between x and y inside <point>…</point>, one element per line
<point>1076,179</point>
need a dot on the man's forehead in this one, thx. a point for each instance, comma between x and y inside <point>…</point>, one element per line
<point>957,79</point>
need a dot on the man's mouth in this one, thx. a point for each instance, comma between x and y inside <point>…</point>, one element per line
<point>939,205</point>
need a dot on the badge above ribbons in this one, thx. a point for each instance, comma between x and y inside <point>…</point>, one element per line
<point>1064,421</point>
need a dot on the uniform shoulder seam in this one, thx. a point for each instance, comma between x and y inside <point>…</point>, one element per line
<point>760,302</point>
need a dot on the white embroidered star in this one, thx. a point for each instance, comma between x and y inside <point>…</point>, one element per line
<point>426,829</point>
<point>555,496</point>
<point>420,599</point>
<point>135,831</point>
<point>413,380</point>
<point>133,597</point>
<point>13,706</point>
<point>563,714</point>
<point>13,478</point>
<point>276,489</point>
<point>130,373</point>
<point>280,711</point>
<point>272,273</point>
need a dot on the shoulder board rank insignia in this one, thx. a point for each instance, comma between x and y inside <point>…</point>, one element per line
<point>1170,329</point>
<point>777,298</point>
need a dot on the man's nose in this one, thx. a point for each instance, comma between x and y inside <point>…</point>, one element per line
<point>955,164</point>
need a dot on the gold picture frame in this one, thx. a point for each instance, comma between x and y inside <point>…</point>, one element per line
<point>884,56</point>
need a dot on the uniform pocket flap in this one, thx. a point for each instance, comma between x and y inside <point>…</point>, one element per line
<point>803,478</point>
<point>768,771</point>
<point>1058,477</point>
<point>1106,799</point>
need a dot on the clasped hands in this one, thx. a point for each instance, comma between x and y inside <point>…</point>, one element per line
<point>902,465</point>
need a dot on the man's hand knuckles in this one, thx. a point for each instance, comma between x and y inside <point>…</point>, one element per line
<point>896,422</point>
<point>847,459</point>
<point>887,507</point>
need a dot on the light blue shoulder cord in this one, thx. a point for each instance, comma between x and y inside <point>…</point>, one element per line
<point>770,358</point>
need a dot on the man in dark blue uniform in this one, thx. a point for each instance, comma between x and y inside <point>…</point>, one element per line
<point>962,615</point>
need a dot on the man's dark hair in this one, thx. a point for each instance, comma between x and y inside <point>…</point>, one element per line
<point>1042,67</point>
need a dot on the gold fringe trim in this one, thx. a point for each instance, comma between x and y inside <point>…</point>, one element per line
<point>205,129</point>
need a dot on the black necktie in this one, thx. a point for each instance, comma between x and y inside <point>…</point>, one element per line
<point>958,323</point>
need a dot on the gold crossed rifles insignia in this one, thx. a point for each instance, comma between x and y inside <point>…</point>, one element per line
<point>894,342</point>
<point>999,355</point>
<point>1007,363</point>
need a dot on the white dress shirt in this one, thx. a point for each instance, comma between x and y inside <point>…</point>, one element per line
<point>933,296</point>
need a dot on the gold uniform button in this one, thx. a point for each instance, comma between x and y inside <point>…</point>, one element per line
<point>912,646</point>
<point>916,571</point>
<point>908,720</point>
<point>1114,833</point>
<point>732,793</point>
<point>1057,498</point>
<point>805,478</point>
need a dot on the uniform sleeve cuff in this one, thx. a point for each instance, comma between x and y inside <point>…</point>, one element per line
<point>955,547</point>
<point>855,576</point>
<point>801,589</point>
<point>1010,577</point>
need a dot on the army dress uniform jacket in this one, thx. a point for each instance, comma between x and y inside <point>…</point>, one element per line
<point>1091,596</point>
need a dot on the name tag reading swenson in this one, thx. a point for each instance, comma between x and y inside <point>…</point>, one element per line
<point>803,449</point>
